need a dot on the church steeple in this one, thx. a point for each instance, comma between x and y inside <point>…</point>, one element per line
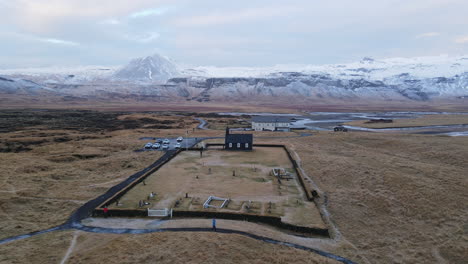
<point>227,131</point>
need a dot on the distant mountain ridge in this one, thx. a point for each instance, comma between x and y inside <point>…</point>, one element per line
<point>16,85</point>
<point>369,68</point>
<point>323,86</point>
<point>156,77</point>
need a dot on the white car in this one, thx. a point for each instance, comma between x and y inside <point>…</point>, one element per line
<point>166,141</point>
<point>156,145</point>
<point>165,146</point>
<point>148,145</point>
<point>179,139</point>
<point>177,145</point>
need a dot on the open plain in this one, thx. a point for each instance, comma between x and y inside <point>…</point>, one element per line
<point>389,198</point>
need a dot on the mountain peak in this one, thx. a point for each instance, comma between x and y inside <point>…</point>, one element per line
<point>154,68</point>
<point>367,60</point>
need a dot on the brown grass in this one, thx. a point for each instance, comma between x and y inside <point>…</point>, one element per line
<point>397,198</point>
<point>222,123</point>
<point>42,249</point>
<point>151,248</point>
<point>185,248</point>
<point>252,104</point>
<point>427,120</point>
<point>40,188</point>
<point>394,198</point>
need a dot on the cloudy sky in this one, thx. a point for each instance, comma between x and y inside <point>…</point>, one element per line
<point>36,33</point>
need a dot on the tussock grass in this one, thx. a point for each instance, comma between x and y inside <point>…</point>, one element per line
<point>395,197</point>
<point>41,187</point>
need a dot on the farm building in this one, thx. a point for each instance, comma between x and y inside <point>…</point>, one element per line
<point>271,123</point>
<point>238,141</point>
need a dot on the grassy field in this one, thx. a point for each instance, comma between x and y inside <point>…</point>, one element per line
<point>246,104</point>
<point>42,249</point>
<point>394,198</point>
<point>213,174</point>
<point>51,164</point>
<point>222,123</point>
<point>151,248</point>
<point>426,120</point>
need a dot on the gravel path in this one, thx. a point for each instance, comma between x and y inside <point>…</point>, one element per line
<point>202,124</point>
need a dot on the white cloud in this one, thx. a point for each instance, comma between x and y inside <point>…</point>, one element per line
<point>428,35</point>
<point>241,16</point>
<point>58,41</point>
<point>150,12</point>
<point>143,38</point>
<point>293,31</point>
<point>27,37</point>
<point>462,39</point>
<point>41,16</point>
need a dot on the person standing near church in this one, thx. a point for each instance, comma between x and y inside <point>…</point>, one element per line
<point>214,224</point>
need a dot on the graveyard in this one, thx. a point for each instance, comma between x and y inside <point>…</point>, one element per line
<point>259,182</point>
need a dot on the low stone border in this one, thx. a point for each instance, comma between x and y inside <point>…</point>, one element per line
<point>271,220</point>
<point>211,198</point>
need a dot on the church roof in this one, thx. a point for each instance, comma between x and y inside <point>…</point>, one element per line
<point>239,138</point>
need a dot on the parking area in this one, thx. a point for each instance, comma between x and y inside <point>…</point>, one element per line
<point>172,145</point>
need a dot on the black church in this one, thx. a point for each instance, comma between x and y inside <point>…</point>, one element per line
<point>238,141</point>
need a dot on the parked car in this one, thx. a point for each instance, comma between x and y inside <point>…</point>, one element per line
<point>156,145</point>
<point>179,139</point>
<point>177,145</point>
<point>166,141</point>
<point>148,145</point>
<point>165,146</point>
<point>158,141</point>
<point>340,128</point>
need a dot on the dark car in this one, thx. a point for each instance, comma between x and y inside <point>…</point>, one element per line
<point>340,128</point>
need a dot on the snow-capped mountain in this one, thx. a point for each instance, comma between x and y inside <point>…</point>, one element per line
<point>323,86</point>
<point>149,69</point>
<point>369,68</point>
<point>15,85</point>
<point>421,78</point>
<point>68,74</point>
<point>411,79</point>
